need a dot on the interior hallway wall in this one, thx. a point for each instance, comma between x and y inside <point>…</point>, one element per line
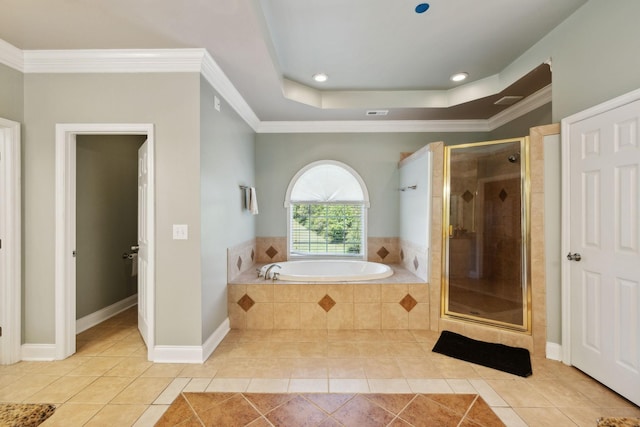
<point>106,219</point>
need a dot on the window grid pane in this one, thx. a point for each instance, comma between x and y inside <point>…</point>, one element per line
<point>326,229</point>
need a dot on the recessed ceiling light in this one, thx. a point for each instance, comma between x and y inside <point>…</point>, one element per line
<point>320,77</point>
<point>422,7</point>
<point>459,77</point>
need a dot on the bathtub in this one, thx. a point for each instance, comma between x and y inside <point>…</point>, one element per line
<point>329,270</point>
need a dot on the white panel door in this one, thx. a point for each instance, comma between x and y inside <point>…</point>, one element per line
<point>144,300</point>
<point>604,231</point>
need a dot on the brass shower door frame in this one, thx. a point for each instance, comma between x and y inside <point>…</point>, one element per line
<point>525,229</point>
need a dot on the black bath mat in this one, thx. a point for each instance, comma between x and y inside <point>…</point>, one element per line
<point>513,360</point>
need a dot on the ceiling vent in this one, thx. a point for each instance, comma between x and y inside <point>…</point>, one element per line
<point>377,112</point>
<point>508,100</point>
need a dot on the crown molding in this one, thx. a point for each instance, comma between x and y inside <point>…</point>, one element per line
<point>372,126</point>
<point>11,56</point>
<point>113,60</point>
<point>527,105</point>
<point>537,100</point>
<point>200,61</point>
<point>141,61</point>
<point>221,83</point>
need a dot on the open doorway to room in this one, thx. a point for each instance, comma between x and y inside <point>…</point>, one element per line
<point>106,238</point>
<point>93,281</point>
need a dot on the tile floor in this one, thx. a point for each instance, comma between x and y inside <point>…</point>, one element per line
<point>329,410</point>
<point>109,382</point>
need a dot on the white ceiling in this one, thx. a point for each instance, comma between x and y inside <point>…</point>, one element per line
<point>379,54</point>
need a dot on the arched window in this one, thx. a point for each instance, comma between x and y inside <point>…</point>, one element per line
<point>327,203</point>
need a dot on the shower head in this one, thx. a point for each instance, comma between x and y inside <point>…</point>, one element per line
<point>514,158</point>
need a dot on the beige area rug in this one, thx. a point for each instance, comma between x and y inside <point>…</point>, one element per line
<point>619,422</point>
<point>328,410</point>
<point>24,414</point>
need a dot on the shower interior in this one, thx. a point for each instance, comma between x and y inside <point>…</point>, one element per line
<point>486,234</point>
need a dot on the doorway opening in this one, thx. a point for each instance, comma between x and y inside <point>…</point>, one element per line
<point>486,219</point>
<point>67,136</point>
<point>10,243</point>
<point>106,226</point>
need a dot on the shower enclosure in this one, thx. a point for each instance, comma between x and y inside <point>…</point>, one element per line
<point>486,233</point>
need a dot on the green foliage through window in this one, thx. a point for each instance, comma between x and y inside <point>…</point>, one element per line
<point>333,229</point>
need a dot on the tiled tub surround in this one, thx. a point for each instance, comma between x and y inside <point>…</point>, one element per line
<point>241,258</point>
<point>386,250</point>
<point>397,302</point>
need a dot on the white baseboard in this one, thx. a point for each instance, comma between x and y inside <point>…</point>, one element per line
<point>215,339</point>
<point>177,354</point>
<point>191,353</point>
<point>38,352</point>
<point>554,351</point>
<point>101,315</point>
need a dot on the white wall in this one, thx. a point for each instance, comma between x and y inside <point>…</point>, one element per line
<point>415,205</point>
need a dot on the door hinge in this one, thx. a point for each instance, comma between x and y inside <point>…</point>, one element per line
<point>73,254</point>
<point>0,331</point>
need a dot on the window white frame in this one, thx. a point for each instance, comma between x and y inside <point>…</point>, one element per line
<point>365,204</point>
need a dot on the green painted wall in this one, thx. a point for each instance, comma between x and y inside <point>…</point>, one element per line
<point>374,156</point>
<point>11,94</point>
<point>227,151</point>
<point>171,102</point>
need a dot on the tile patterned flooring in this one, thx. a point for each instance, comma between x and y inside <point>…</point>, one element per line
<point>109,382</point>
<point>329,410</point>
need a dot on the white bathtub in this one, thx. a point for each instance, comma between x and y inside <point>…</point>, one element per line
<point>329,271</point>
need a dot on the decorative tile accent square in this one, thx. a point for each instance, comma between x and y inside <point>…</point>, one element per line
<point>416,264</point>
<point>467,196</point>
<point>326,303</point>
<point>239,263</point>
<point>408,302</point>
<point>383,252</point>
<point>503,195</point>
<point>246,302</point>
<point>271,252</point>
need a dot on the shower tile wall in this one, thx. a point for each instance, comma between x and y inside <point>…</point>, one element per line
<point>536,341</point>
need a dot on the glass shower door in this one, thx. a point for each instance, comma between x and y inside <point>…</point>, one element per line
<point>486,233</point>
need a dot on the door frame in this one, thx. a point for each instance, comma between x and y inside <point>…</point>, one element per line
<point>565,267</point>
<point>11,235</point>
<point>65,227</point>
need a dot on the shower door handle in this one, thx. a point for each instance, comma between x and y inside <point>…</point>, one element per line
<point>574,257</point>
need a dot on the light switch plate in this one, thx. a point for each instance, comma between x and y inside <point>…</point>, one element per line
<point>180,231</point>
